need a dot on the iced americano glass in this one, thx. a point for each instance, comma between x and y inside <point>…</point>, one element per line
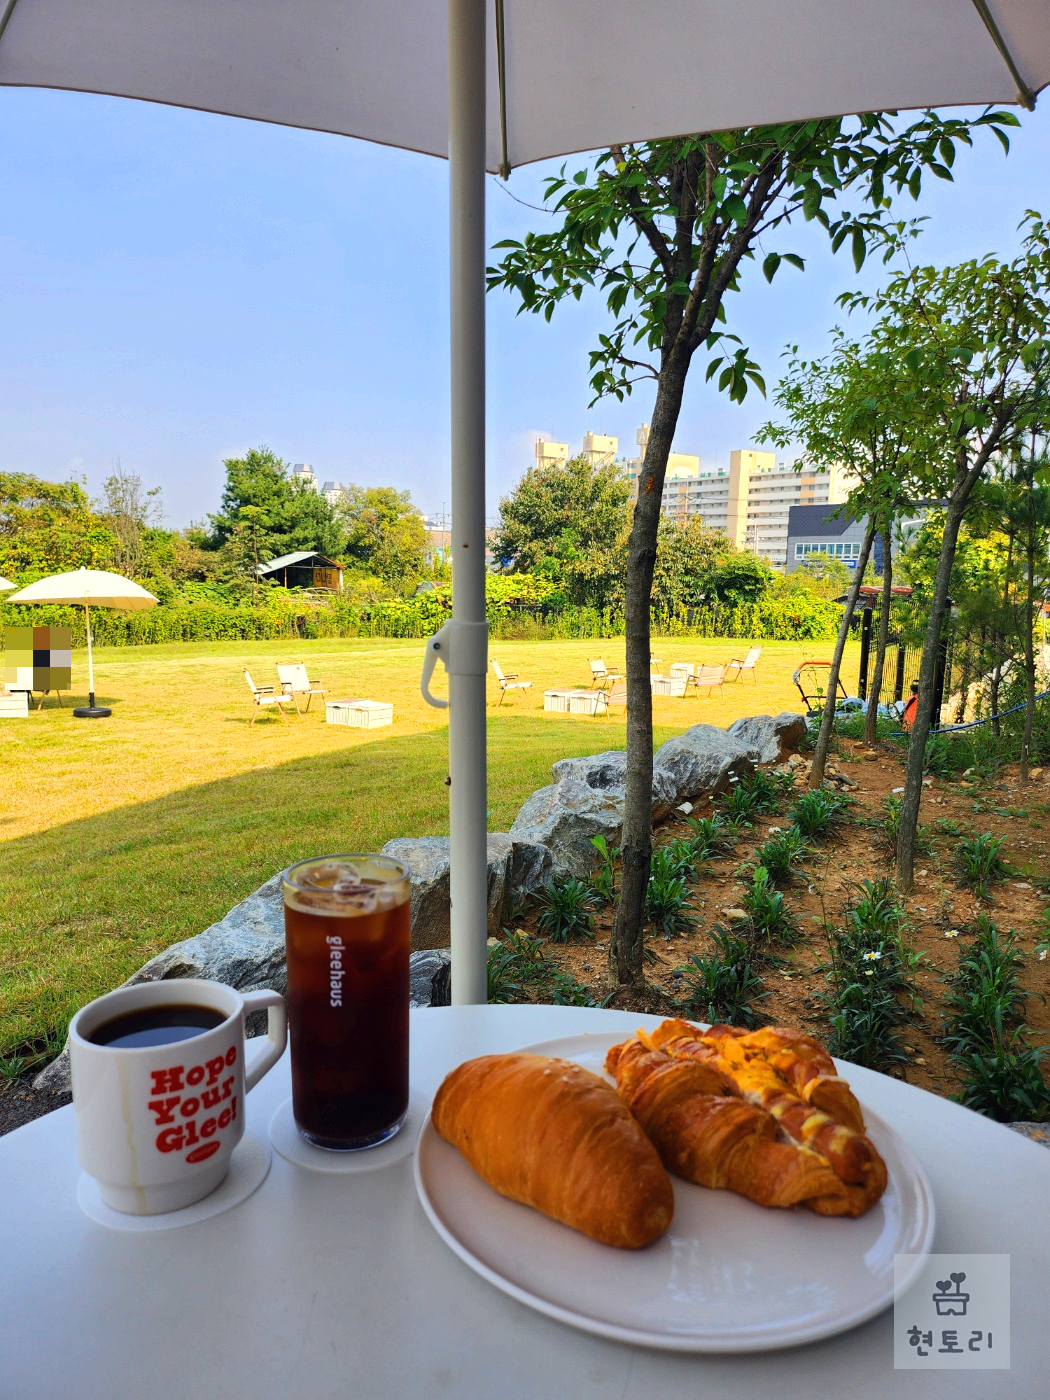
<point>346,921</point>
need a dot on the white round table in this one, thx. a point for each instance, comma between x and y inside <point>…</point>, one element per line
<point>335,1285</point>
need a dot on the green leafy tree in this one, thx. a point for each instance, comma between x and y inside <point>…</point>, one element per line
<point>857,409</point>
<point>385,535</point>
<point>289,515</point>
<point>48,527</point>
<point>972,342</point>
<point>567,522</point>
<point>130,511</point>
<point>664,230</point>
<point>688,554</point>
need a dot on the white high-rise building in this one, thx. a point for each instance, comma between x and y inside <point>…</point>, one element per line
<point>551,454</point>
<point>302,471</point>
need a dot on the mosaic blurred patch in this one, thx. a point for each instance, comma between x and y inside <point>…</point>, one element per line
<point>38,658</point>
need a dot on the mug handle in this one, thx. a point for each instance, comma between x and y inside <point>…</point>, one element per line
<point>276,1034</point>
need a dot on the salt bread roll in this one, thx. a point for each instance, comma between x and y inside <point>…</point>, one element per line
<point>551,1135</point>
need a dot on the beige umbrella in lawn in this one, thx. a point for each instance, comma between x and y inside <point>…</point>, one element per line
<point>88,588</point>
<point>4,585</point>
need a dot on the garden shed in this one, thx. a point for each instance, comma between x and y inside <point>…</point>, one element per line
<point>304,569</point>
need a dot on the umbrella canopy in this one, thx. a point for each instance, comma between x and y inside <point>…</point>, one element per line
<point>87,587</point>
<point>537,78</point>
<point>4,585</point>
<point>560,77</point>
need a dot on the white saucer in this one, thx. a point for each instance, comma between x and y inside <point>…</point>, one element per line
<point>249,1165</point>
<point>290,1143</point>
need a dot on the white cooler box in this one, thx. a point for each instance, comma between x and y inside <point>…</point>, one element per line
<point>667,685</point>
<point>681,670</point>
<point>557,700</point>
<point>363,714</point>
<point>14,704</point>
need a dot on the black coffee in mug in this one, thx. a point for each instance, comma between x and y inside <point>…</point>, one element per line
<point>156,1025</point>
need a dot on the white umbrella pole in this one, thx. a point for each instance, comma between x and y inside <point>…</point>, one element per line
<point>91,664</point>
<point>468,657</point>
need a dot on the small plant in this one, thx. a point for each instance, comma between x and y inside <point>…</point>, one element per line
<point>677,857</point>
<point>877,916</point>
<point>817,812</point>
<point>603,881</point>
<point>779,856</point>
<point>566,910</point>
<point>979,861</point>
<point>502,968</point>
<point>531,961</point>
<point>710,836</point>
<point>723,986</point>
<point>863,1029</point>
<point>667,898</point>
<point>944,757</point>
<point>765,790</point>
<point>566,991</point>
<point>768,913</point>
<point>739,804</point>
<point>1006,1084</point>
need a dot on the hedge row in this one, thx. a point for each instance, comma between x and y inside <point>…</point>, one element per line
<point>774,619</point>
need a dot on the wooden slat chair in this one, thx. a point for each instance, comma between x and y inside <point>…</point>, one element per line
<point>749,663</point>
<point>601,675</point>
<point>707,678</point>
<point>615,695</point>
<point>295,682</point>
<point>508,682</point>
<point>264,695</point>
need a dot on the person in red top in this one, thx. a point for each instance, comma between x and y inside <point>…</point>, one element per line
<point>908,718</point>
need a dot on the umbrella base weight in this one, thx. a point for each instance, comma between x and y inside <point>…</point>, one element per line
<point>92,712</point>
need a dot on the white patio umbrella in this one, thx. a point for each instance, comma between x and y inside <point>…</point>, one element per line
<point>538,78</point>
<point>88,588</point>
<point>4,585</point>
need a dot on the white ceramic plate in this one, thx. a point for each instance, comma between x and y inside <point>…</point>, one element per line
<point>728,1276</point>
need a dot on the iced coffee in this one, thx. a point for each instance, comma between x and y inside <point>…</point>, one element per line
<point>346,922</point>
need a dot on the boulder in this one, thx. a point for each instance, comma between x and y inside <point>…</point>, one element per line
<point>586,799</point>
<point>563,817</point>
<point>702,760</point>
<point>530,869</point>
<point>607,772</point>
<point>427,858</point>
<point>769,737</point>
<point>423,967</point>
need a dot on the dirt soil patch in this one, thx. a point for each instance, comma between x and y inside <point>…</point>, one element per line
<point>941,913</point>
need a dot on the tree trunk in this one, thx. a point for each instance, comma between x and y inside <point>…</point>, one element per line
<point>626,943</point>
<point>827,719</point>
<point>920,730</point>
<point>1029,642</point>
<point>871,719</point>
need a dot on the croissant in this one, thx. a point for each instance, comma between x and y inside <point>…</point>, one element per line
<point>805,1067</point>
<point>551,1135</point>
<point>851,1154</point>
<point>715,1140</point>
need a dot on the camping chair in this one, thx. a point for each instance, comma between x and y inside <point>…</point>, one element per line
<point>749,663</point>
<point>601,675</point>
<point>615,695</point>
<point>707,678</point>
<point>294,681</point>
<point>510,682</point>
<point>264,695</point>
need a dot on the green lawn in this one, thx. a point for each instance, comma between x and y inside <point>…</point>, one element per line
<point>122,836</point>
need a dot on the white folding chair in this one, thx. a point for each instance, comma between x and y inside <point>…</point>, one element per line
<point>264,695</point>
<point>707,678</point>
<point>508,682</point>
<point>601,675</point>
<point>295,682</point>
<point>749,663</point>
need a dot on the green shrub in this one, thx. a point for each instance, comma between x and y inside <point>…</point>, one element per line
<point>667,896</point>
<point>779,856</point>
<point>979,861</point>
<point>709,836</point>
<point>603,881</point>
<point>724,985</point>
<point>566,910</point>
<point>816,812</point>
<point>770,920</point>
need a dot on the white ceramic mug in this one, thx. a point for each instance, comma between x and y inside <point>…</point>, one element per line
<point>156,1125</point>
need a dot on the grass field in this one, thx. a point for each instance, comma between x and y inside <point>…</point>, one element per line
<point>119,837</point>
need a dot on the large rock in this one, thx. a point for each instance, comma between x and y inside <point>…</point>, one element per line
<point>770,737</point>
<point>563,817</point>
<point>607,772</point>
<point>427,858</point>
<point>423,967</point>
<point>702,760</point>
<point>531,867</point>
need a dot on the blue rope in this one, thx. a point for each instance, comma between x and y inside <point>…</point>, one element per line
<point>974,723</point>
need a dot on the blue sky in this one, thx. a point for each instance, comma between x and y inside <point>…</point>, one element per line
<point>177,287</point>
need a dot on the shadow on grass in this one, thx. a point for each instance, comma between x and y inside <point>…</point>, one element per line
<point>87,902</point>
